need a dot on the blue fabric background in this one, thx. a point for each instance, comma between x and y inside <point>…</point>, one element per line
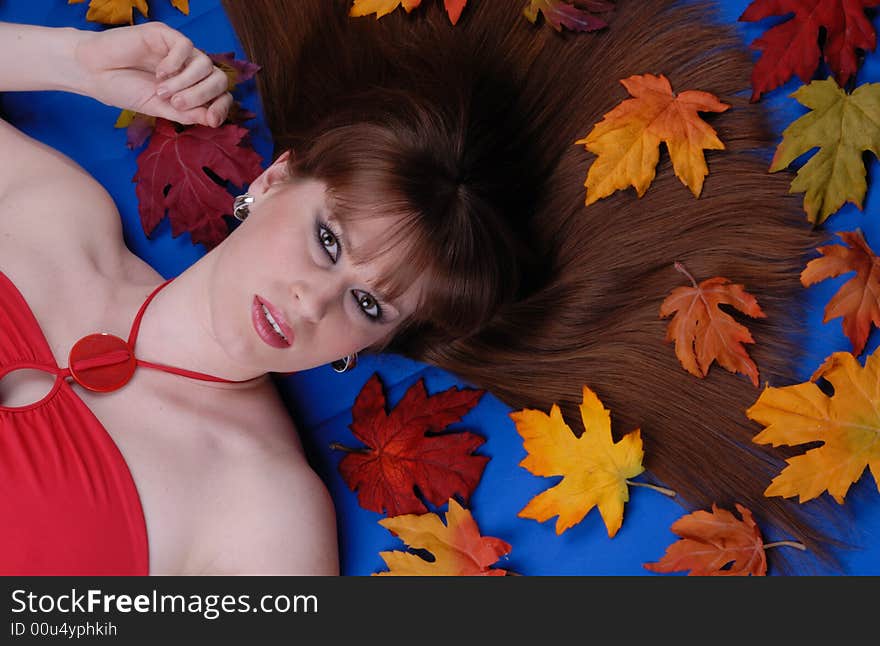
<point>321,400</point>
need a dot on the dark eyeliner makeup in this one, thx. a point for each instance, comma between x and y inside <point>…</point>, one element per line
<point>325,229</point>
<point>359,296</point>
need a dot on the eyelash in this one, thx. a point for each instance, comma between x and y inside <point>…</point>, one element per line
<point>323,229</point>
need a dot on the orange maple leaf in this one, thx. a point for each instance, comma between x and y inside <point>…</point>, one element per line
<point>627,141</point>
<point>858,300</point>
<point>847,423</point>
<point>384,7</point>
<point>703,332</point>
<point>710,542</point>
<point>454,9</point>
<point>457,547</point>
<point>381,7</point>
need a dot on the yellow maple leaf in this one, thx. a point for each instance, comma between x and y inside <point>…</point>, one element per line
<point>381,7</point>
<point>848,424</point>
<point>842,126</point>
<point>627,141</point>
<point>594,468</point>
<point>113,12</point>
<point>457,547</point>
<point>118,12</point>
<point>125,118</point>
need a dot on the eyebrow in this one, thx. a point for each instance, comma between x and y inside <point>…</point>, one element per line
<point>330,217</point>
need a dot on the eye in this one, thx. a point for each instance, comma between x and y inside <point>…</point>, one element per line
<point>367,304</point>
<point>329,242</point>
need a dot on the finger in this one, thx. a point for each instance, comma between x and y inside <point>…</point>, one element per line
<point>198,68</point>
<point>202,92</point>
<point>180,50</point>
<point>212,115</point>
<point>219,110</point>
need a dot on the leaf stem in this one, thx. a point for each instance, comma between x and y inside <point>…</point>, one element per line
<point>681,269</point>
<point>336,446</point>
<point>663,490</point>
<point>794,544</point>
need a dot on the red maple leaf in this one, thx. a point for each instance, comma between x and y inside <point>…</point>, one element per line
<point>171,177</point>
<point>792,46</point>
<point>406,449</point>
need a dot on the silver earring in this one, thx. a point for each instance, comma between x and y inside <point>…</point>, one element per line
<point>241,206</point>
<point>346,363</point>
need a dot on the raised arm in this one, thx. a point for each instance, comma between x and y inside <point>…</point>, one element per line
<point>70,215</point>
<point>150,68</point>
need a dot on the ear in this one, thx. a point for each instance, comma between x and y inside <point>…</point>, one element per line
<point>274,174</point>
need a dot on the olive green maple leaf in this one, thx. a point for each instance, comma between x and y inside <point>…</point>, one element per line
<point>842,126</point>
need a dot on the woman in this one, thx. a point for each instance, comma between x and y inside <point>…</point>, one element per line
<point>432,171</point>
<point>220,481</point>
<point>356,236</point>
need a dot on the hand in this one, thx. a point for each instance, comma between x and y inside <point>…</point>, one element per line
<point>153,69</point>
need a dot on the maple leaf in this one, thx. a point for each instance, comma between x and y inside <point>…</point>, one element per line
<point>711,541</point>
<point>457,547</point>
<point>559,14</point>
<point>847,423</point>
<point>118,12</point>
<point>454,9</point>
<point>237,71</point>
<point>174,160</point>
<point>842,126</point>
<point>138,127</point>
<point>405,451</point>
<point>381,7</point>
<point>239,114</point>
<point>113,12</point>
<point>792,46</point>
<point>595,470</point>
<point>703,332</point>
<point>858,300</point>
<point>627,141</point>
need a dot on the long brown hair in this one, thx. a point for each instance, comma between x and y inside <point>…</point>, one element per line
<point>579,299</point>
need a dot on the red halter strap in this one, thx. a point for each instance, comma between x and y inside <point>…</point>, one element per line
<point>104,362</point>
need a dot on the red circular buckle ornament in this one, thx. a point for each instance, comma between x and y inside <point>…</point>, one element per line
<point>101,362</point>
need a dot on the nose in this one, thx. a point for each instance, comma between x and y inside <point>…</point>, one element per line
<point>311,300</point>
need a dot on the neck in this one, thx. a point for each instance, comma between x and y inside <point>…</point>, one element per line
<point>176,329</point>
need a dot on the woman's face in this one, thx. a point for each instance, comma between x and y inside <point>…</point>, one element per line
<point>286,294</point>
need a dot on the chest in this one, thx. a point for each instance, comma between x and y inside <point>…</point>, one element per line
<point>175,457</point>
<point>156,428</point>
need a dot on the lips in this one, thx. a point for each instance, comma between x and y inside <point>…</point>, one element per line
<point>263,313</point>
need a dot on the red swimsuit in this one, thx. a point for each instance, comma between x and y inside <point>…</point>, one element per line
<point>68,503</point>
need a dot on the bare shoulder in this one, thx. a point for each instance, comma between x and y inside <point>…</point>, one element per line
<point>275,515</point>
<point>48,203</point>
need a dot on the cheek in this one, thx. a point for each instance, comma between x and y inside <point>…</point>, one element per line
<point>345,333</point>
<point>335,338</point>
<point>287,245</point>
